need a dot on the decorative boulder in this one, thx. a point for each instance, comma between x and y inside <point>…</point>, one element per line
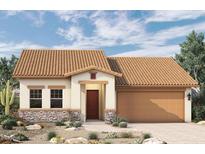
<point>74,129</point>
<point>201,123</point>
<point>71,129</point>
<point>153,141</point>
<point>67,123</point>
<point>33,127</point>
<point>57,140</point>
<point>20,123</point>
<point>79,140</point>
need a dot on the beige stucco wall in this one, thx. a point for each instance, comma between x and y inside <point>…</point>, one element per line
<point>24,91</point>
<point>187,106</point>
<point>76,99</point>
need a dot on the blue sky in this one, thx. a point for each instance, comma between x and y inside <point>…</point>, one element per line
<point>119,33</point>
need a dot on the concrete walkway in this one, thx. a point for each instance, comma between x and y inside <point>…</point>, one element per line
<point>174,133</point>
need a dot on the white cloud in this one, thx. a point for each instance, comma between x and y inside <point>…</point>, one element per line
<point>108,31</point>
<point>120,30</point>
<point>153,51</point>
<point>71,15</point>
<point>165,16</point>
<point>9,48</point>
<point>36,17</point>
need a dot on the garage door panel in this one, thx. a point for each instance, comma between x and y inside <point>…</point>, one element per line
<point>151,106</point>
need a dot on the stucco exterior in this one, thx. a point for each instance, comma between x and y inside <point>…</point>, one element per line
<point>110,97</point>
<point>24,91</point>
<point>74,93</point>
<point>187,106</point>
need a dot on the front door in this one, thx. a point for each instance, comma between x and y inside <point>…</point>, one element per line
<point>92,107</point>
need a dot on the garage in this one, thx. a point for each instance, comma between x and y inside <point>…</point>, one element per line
<point>151,106</point>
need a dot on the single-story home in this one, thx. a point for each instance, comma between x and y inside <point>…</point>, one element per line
<point>85,84</point>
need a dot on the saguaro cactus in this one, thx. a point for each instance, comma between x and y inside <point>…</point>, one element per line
<point>7,97</point>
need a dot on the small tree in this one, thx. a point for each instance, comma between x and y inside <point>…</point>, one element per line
<point>192,56</point>
<point>7,97</point>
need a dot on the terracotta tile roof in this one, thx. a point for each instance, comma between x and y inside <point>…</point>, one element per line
<point>150,71</point>
<point>50,63</point>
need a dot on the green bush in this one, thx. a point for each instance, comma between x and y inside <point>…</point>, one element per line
<point>51,135</point>
<point>77,124</point>
<point>8,124</point>
<point>118,119</point>
<point>123,124</point>
<point>138,140</point>
<point>126,135</point>
<point>59,123</point>
<point>146,136</point>
<point>5,117</point>
<point>93,136</point>
<point>21,137</point>
<point>198,113</point>
<point>112,135</point>
<point>15,106</point>
<point>115,124</point>
<point>107,142</point>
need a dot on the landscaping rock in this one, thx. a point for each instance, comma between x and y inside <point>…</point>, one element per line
<point>201,123</point>
<point>153,141</point>
<point>33,127</point>
<point>74,129</point>
<point>79,140</point>
<point>4,139</point>
<point>57,140</point>
<point>20,123</point>
<point>67,123</point>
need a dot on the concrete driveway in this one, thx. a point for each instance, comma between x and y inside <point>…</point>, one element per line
<point>172,133</point>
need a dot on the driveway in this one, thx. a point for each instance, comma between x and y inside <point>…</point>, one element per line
<point>175,133</point>
<point>172,133</point>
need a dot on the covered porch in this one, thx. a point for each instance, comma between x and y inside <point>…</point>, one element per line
<point>94,99</point>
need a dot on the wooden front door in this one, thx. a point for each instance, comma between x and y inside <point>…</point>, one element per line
<point>92,104</point>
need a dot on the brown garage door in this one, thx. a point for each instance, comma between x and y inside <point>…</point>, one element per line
<point>151,106</point>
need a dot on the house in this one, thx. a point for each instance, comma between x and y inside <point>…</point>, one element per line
<point>85,84</point>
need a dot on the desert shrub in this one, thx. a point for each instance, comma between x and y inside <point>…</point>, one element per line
<point>123,124</point>
<point>107,142</point>
<point>112,135</point>
<point>198,113</point>
<point>59,123</point>
<point>126,135</point>
<point>146,136</point>
<point>5,117</point>
<point>20,137</point>
<point>118,119</point>
<point>51,135</point>
<point>138,140</point>
<point>8,124</point>
<point>115,124</point>
<point>77,124</point>
<point>15,106</point>
<point>93,136</point>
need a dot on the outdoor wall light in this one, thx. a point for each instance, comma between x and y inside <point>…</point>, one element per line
<point>189,96</point>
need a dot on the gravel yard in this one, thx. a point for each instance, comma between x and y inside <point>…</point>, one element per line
<point>40,136</point>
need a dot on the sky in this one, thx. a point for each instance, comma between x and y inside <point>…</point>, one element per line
<point>118,33</point>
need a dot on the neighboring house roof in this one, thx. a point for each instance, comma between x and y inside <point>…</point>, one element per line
<point>51,63</point>
<point>150,71</point>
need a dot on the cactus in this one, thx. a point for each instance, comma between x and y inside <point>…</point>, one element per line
<point>7,97</point>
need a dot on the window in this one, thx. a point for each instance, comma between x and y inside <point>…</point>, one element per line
<point>56,98</point>
<point>93,75</point>
<point>35,98</point>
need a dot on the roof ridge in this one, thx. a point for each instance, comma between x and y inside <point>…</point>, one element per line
<point>139,57</point>
<point>57,49</point>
